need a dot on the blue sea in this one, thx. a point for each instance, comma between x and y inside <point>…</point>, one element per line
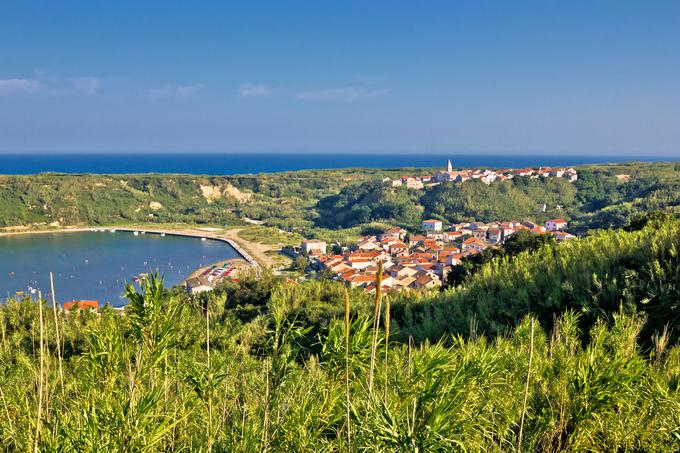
<point>242,163</point>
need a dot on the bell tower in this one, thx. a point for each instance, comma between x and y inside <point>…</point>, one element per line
<point>448,166</point>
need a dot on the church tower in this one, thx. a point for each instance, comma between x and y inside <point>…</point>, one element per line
<point>449,167</point>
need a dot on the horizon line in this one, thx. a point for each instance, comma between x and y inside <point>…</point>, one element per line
<point>344,152</point>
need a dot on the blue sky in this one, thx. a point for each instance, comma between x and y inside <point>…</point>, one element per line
<point>467,77</point>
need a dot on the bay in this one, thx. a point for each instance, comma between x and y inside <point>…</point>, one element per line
<point>97,265</point>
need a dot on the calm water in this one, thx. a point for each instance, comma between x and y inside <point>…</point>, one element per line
<point>228,164</point>
<point>97,265</point>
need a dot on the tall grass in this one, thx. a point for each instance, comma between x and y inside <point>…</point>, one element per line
<point>177,377</point>
<point>277,367</point>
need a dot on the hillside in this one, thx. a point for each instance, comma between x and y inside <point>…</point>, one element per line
<point>282,199</point>
<point>317,202</point>
<point>598,199</point>
<point>267,364</point>
<point>633,271</point>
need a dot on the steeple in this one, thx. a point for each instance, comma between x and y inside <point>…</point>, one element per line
<point>449,167</point>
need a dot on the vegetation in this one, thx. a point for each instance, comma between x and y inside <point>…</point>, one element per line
<point>598,199</point>
<point>637,271</point>
<point>571,347</point>
<point>270,235</point>
<point>335,205</point>
<point>361,204</point>
<point>283,200</point>
<point>519,242</point>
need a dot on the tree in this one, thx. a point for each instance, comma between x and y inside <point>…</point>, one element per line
<point>299,263</point>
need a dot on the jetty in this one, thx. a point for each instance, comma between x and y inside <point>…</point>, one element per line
<point>244,254</point>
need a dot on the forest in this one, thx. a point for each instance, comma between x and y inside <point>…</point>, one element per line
<point>569,347</point>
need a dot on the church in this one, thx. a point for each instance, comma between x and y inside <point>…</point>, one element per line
<point>451,176</point>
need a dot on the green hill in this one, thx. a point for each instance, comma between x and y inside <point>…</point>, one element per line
<point>571,347</point>
<point>317,202</point>
<point>598,199</point>
<point>608,271</point>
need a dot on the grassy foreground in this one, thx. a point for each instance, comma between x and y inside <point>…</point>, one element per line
<point>186,374</point>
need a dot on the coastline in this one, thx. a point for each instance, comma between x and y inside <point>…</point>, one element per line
<point>244,260</point>
<point>185,232</point>
<point>53,230</point>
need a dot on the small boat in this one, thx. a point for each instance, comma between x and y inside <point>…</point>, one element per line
<point>162,234</point>
<point>203,239</point>
<point>140,277</point>
<point>112,230</point>
<point>136,233</point>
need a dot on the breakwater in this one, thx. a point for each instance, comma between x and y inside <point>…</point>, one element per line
<point>244,254</point>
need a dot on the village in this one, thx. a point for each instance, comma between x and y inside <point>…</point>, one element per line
<point>485,176</point>
<point>417,261</point>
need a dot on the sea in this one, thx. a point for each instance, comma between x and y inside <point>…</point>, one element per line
<point>98,265</point>
<point>249,163</point>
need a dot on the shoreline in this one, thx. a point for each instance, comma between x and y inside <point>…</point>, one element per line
<point>185,232</point>
<point>254,253</point>
<point>56,230</point>
<point>243,260</point>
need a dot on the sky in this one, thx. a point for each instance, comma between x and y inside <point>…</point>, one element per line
<point>580,77</point>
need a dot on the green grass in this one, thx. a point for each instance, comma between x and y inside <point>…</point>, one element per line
<point>147,382</point>
<point>270,236</point>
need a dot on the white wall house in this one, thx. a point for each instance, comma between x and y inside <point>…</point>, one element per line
<point>433,225</point>
<point>313,244</point>
<point>555,224</point>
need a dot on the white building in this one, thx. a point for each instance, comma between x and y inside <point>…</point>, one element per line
<point>433,225</point>
<point>413,183</point>
<point>310,245</point>
<point>555,224</point>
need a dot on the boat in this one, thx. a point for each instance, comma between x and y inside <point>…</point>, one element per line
<point>140,277</point>
<point>136,233</point>
<point>112,230</point>
<point>163,234</point>
<point>203,239</point>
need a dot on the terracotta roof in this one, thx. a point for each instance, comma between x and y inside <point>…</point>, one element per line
<point>362,278</point>
<point>72,305</point>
